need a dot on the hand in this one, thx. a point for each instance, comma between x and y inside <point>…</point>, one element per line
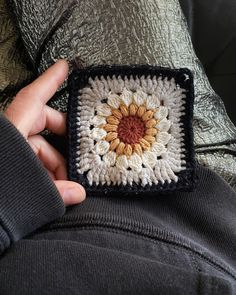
<point>30,115</point>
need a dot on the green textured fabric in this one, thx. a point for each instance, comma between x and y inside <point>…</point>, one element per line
<point>13,68</point>
<point>122,32</point>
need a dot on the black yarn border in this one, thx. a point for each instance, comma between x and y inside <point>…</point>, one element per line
<point>78,79</point>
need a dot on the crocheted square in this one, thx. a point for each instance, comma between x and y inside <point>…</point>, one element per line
<point>130,129</point>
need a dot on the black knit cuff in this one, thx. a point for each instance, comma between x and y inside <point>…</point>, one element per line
<point>28,197</point>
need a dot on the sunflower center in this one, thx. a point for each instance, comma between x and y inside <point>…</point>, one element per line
<point>131,129</point>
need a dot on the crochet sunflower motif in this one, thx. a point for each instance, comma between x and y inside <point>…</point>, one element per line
<point>129,131</point>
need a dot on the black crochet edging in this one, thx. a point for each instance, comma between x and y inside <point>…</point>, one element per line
<point>78,79</point>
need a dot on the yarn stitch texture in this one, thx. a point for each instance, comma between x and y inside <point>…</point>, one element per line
<point>130,129</point>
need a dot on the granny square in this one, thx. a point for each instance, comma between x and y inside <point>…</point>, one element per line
<point>130,129</point>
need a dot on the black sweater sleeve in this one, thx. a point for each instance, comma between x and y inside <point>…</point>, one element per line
<point>28,197</point>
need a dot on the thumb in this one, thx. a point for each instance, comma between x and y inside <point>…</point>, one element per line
<point>71,192</point>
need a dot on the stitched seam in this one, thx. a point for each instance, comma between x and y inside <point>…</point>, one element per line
<point>144,236</point>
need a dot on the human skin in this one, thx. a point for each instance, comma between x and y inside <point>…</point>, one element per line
<point>30,115</point>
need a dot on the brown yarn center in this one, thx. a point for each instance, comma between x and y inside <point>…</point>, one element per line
<point>131,129</point>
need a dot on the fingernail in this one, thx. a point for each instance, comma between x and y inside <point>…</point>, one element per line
<point>74,195</point>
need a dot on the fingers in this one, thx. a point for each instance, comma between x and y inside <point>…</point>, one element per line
<point>47,84</point>
<point>71,192</point>
<point>27,109</point>
<point>50,157</point>
<point>55,121</point>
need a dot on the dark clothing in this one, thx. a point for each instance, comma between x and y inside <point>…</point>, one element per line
<point>28,198</point>
<point>181,243</point>
<point>213,32</point>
